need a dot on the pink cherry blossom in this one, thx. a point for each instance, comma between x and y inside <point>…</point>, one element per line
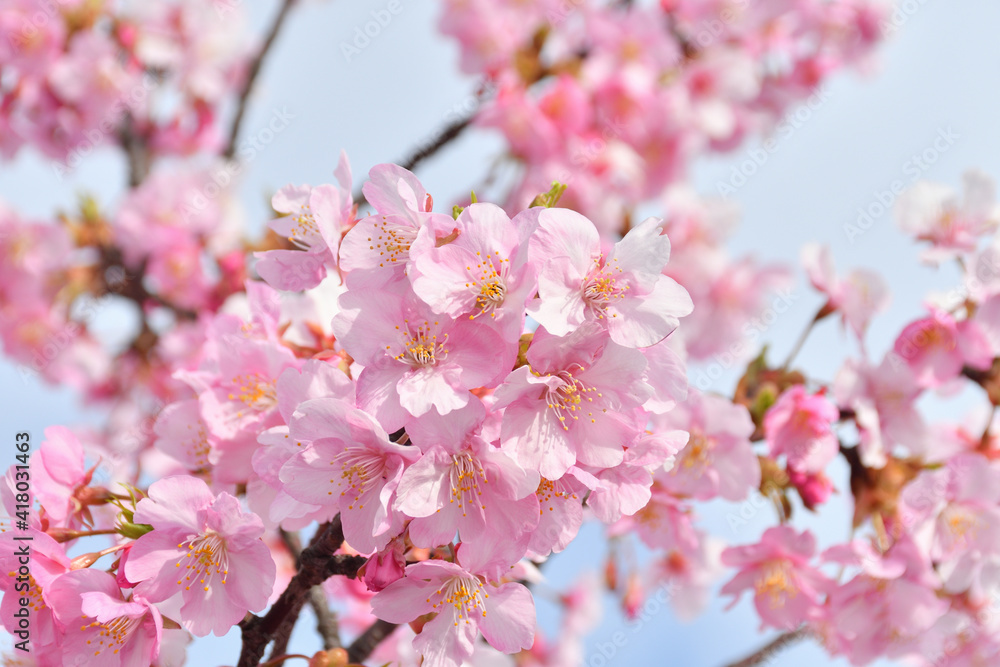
<point>465,605</point>
<point>415,360</point>
<point>61,479</point>
<point>101,627</point>
<point>205,550</point>
<point>624,290</point>
<point>883,399</point>
<point>936,347</point>
<point>932,212</point>
<point>858,297</point>
<point>576,401</point>
<point>464,484</point>
<point>48,562</point>
<point>786,587</point>
<point>952,514</point>
<point>799,425</point>
<point>717,459</point>
<point>377,248</point>
<point>484,273</point>
<point>345,460</point>
<point>886,607</point>
<point>314,218</point>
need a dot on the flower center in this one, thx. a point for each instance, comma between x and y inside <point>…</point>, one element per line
<point>305,234</point>
<point>547,490</point>
<point>360,468</point>
<point>489,283</point>
<point>960,523</point>
<point>571,398</point>
<point>255,391</point>
<point>601,287</point>
<point>466,475</point>
<point>34,592</point>
<point>421,347</point>
<point>465,594</point>
<point>113,634</point>
<point>775,582</point>
<point>392,240</point>
<point>205,553</point>
<point>697,455</point>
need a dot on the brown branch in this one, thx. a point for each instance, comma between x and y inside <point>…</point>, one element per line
<point>326,620</point>
<point>255,66</point>
<point>766,652</point>
<point>448,133</point>
<point>136,151</point>
<point>317,563</point>
<point>362,647</point>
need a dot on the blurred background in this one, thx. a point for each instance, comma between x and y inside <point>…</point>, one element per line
<point>936,76</point>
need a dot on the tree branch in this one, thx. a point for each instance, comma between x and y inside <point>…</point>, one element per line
<point>326,620</point>
<point>448,134</point>
<point>766,652</point>
<point>317,563</point>
<point>255,66</point>
<point>136,151</point>
<point>363,646</point>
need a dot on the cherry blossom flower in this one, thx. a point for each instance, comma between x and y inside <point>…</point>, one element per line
<point>936,347</point>
<point>858,297</point>
<point>101,627</point>
<point>574,402</point>
<point>465,605</point>
<point>786,588</point>
<point>799,425</point>
<point>484,273</point>
<point>414,360</point>
<point>345,460</point>
<point>717,459</point>
<point>624,290</point>
<point>314,218</point>
<point>932,212</point>
<point>204,549</point>
<point>462,483</point>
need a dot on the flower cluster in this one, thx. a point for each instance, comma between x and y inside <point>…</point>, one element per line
<point>616,98</point>
<point>438,398</point>
<point>79,74</point>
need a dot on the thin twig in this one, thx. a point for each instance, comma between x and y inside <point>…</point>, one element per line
<point>255,66</point>
<point>447,134</point>
<point>317,563</point>
<point>363,646</point>
<point>801,341</point>
<point>765,652</point>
